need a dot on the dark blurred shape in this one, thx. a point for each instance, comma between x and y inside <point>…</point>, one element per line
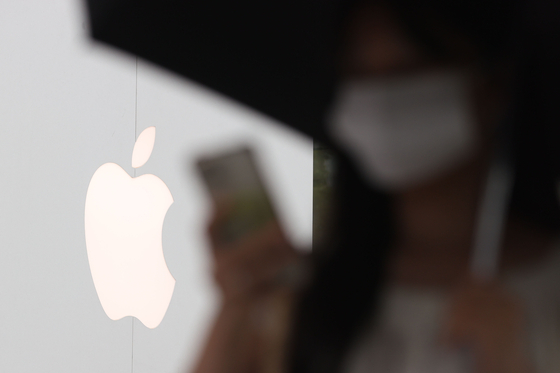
<point>277,57</point>
<point>282,58</point>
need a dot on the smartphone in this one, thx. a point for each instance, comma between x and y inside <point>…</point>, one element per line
<point>233,176</point>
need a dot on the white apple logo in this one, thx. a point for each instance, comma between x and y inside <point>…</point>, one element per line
<point>123,225</point>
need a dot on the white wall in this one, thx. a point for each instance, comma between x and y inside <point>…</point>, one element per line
<point>66,107</point>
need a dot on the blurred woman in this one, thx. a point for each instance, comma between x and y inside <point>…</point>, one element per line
<point>428,92</point>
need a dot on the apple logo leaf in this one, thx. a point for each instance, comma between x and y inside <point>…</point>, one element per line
<point>143,147</point>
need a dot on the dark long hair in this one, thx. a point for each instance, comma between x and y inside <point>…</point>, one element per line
<point>347,284</point>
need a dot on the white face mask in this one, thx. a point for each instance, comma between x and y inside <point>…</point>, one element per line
<point>404,131</point>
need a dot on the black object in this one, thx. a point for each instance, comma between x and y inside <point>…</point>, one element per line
<point>275,56</point>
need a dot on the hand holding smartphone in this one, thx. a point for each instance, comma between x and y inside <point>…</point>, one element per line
<point>232,178</point>
<point>235,186</point>
<point>254,263</point>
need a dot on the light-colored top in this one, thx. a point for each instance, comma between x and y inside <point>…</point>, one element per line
<point>405,337</point>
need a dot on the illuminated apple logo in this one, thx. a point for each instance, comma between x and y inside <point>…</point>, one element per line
<point>123,224</point>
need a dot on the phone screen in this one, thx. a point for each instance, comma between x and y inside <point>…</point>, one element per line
<point>233,177</point>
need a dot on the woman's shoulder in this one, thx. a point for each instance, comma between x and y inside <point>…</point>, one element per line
<point>404,333</point>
